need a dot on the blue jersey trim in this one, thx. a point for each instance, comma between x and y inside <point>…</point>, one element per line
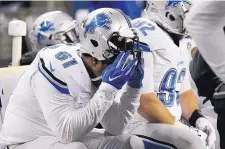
<point>63,90</point>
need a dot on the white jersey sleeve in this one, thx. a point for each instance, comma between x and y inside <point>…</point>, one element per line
<point>63,68</point>
<point>148,33</point>
<point>148,80</point>
<point>187,44</point>
<point>186,85</point>
<point>119,115</point>
<point>205,23</point>
<point>70,111</point>
<point>146,30</point>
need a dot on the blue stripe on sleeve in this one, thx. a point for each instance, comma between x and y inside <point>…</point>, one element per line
<point>59,88</point>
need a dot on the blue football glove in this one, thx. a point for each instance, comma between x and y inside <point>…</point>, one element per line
<point>117,74</point>
<point>135,80</point>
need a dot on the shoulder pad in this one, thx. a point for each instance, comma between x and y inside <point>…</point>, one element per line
<point>150,34</point>
<point>61,64</point>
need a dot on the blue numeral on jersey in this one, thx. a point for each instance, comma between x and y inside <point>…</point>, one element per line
<point>69,63</point>
<point>64,56</point>
<point>143,26</point>
<point>180,80</point>
<point>182,75</point>
<point>167,89</point>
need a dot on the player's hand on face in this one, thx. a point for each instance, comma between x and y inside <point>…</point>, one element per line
<point>204,125</point>
<point>117,74</point>
<point>135,80</point>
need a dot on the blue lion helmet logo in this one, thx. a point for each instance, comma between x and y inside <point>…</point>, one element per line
<point>100,20</point>
<point>45,26</point>
<point>175,3</point>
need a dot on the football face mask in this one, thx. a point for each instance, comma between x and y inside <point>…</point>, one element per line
<point>118,43</point>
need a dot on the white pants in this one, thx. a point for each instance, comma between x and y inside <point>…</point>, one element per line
<point>165,136</point>
<point>48,142</point>
<point>94,140</point>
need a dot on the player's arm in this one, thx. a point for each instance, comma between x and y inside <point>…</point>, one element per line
<point>188,103</point>
<point>119,114</point>
<point>68,122</point>
<point>193,51</point>
<point>191,47</point>
<point>58,101</point>
<point>191,112</point>
<point>187,97</point>
<point>151,108</point>
<point>205,23</point>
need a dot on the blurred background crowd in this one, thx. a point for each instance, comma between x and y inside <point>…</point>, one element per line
<point>28,11</point>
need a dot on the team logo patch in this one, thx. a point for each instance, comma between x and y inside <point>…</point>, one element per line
<point>100,20</point>
<point>45,26</point>
<point>189,46</point>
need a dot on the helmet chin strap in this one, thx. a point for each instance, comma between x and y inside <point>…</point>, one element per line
<point>96,80</point>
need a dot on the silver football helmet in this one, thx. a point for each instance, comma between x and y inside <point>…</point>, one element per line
<point>105,32</point>
<point>169,13</point>
<point>52,28</point>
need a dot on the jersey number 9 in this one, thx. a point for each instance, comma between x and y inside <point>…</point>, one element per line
<point>170,87</point>
<point>63,56</point>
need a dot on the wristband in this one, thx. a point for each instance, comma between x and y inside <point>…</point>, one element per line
<point>194,116</point>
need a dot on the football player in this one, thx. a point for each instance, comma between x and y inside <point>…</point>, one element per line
<point>167,96</point>
<point>48,29</point>
<point>56,104</point>
<point>205,23</point>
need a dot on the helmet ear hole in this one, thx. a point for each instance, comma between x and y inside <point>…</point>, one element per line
<point>50,37</point>
<point>171,17</point>
<point>94,43</point>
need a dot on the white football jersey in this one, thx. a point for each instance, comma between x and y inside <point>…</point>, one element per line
<point>166,66</point>
<point>55,97</point>
<point>32,105</point>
